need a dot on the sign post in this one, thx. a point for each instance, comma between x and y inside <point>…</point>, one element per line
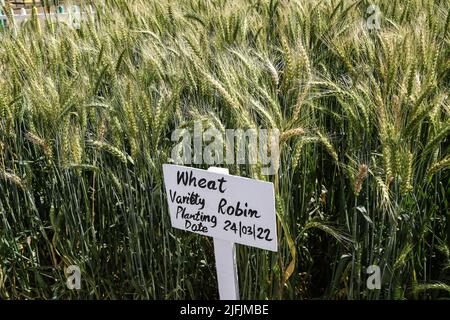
<point>226,266</point>
<point>230,209</point>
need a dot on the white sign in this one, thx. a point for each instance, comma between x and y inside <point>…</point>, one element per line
<point>226,207</point>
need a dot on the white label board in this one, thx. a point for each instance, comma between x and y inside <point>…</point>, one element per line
<point>227,207</point>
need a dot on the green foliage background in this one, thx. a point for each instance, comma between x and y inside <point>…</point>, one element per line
<point>86,118</point>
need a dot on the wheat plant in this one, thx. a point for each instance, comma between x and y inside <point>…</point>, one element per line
<point>86,117</point>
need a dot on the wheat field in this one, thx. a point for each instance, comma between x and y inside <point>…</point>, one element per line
<point>86,118</point>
